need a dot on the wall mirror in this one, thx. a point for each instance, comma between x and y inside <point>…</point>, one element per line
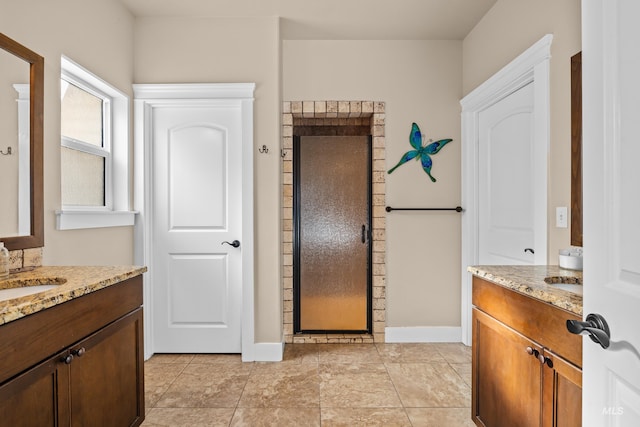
<point>21,98</point>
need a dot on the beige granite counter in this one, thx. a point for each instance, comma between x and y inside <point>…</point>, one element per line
<point>77,281</point>
<point>530,281</point>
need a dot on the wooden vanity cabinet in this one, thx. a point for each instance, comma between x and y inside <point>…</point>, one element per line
<point>506,379</point>
<point>32,399</point>
<point>525,364</point>
<point>562,393</point>
<point>95,381</point>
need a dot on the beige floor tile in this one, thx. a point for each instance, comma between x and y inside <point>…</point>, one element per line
<point>157,379</point>
<point>356,386</point>
<point>281,385</point>
<point>280,417</point>
<point>169,358</point>
<point>429,385</point>
<point>348,353</point>
<point>464,370</point>
<point>188,417</point>
<point>352,417</point>
<point>408,353</point>
<point>316,384</point>
<point>206,386</point>
<point>339,369</point>
<point>454,352</point>
<point>300,353</point>
<point>262,368</point>
<point>440,417</point>
<point>217,359</point>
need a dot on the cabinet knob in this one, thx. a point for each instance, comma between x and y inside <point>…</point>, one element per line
<point>79,352</point>
<point>545,360</point>
<point>67,359</point>
<point>533,352</point>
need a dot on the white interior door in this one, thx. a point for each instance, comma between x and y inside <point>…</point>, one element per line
<point>196,192</point>
<point>611,112</point>
<point>507,180</point>
<point>531,68</point>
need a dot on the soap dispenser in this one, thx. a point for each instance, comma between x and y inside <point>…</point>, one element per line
<point>4,261</point>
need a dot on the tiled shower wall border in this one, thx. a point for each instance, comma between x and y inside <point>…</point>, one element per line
<point>337,114</point>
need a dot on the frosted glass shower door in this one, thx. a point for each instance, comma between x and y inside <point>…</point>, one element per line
<point>332,214</point>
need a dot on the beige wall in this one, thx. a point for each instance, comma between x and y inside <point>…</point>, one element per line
<point>419,81</point>
<point>507,30</point>
<point>209,50</point>
<point>99,36</point>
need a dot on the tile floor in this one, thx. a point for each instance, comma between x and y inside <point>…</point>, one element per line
<point>315,385</point>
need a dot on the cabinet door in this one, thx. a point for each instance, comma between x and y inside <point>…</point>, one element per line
<point>38,397</point>
<point>506,377</point>
<point>106,375</point>
<point>562,393</point>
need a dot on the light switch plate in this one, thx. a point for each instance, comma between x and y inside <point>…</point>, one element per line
<point>561,217</point>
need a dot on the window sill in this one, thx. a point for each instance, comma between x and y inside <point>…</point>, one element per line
<point>79,219</point>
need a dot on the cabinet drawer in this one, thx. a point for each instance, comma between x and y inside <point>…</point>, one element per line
<point>537,320</point>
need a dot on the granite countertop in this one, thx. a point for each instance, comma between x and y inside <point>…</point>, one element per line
<point>77,281</point>
<point>530,280</point>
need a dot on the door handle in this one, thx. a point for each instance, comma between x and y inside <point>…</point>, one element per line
<point>595,326</point>
<point>235,243</point>
<point>364,234</point>
<point>529,250</point>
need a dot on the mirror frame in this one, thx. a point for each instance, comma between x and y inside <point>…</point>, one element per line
<point>36,106</point>
<point>576,149</point>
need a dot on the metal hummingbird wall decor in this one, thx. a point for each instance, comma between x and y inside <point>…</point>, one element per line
<point>421,151</point>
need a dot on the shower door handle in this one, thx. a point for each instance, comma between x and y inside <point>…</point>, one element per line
<point>364,234</point>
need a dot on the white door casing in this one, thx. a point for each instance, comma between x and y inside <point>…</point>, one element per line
<point>506,181</point>
<point>611,208</point>
<point>531,67</point>
<point>180,127</point>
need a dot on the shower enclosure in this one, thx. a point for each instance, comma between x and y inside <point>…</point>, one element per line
<point>332,237</point>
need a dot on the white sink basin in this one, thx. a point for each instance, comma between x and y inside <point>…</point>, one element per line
<point>6,294</point>
<point>568,283</point>
<point>16,288</point>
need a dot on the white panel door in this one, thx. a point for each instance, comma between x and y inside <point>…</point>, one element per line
<point>507,180</point>
<point>196,181</point>
<point>611,149</point>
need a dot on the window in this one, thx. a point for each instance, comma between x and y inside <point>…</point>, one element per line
<point>85,155</point>
<point>94,124</point>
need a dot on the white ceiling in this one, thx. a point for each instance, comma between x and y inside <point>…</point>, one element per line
<point>338,19</point>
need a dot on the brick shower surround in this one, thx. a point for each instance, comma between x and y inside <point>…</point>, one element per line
<point>344,117</point>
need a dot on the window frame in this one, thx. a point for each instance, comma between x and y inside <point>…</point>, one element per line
<point>115,150</point>
<point>84,147</point>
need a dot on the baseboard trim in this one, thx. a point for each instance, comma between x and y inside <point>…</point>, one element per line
<point>423,334</point>
<point>266,352</point>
